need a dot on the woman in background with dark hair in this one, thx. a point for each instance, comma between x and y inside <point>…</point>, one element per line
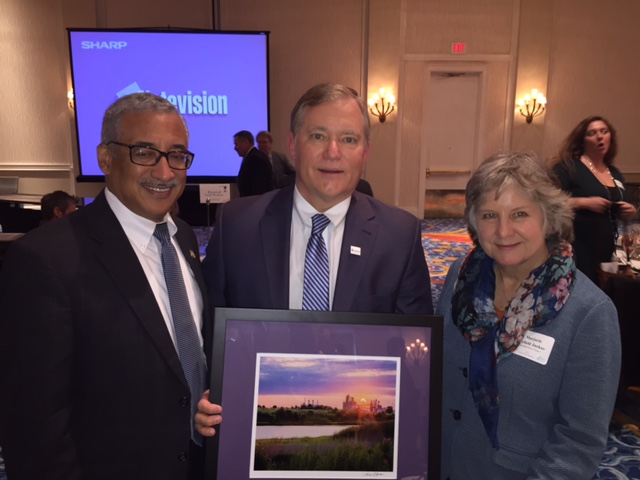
<point>584,169</point>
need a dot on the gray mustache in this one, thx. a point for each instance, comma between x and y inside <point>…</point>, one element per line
<point>170,184</point>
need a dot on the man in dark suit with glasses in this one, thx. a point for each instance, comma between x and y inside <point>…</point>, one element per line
<point>104,319</point>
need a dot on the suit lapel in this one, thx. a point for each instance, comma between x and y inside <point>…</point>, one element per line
<point>184,238</point>
<point>275,232</point>
<point>360,232</point>
<point>121,263</point>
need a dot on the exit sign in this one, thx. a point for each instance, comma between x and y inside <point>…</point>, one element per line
<point>458,48</point>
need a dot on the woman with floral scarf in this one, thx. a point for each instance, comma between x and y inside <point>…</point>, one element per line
<point>532,346</point>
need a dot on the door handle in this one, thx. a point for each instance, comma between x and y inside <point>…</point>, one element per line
<point>430,172</point>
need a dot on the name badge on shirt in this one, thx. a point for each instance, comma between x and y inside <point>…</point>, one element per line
<point>536,346</point>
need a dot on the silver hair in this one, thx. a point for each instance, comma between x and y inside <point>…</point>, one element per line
<point>528,175</point>
<point>135,103</point>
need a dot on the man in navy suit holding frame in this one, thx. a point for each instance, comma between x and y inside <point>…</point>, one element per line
<point>256,256</point>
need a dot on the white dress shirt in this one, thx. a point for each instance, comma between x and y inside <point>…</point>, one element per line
<point>139,231</point>
<point>301,226</point>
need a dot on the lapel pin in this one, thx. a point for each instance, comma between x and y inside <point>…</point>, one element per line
<point>193,255</point>
<point>355,250</point>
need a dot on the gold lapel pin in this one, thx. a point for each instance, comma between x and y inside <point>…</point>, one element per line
<point>193,255</point>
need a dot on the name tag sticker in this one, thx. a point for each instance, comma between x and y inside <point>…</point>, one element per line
<point>536,346</point>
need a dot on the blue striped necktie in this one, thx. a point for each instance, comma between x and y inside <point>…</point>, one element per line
<point>187,338</point>
<point>315,292</point>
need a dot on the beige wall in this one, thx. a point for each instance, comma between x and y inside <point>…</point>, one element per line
<point>34,120</point>
<point>584,58</point>
<point>310,42</point>
<point>580,53</point>
<point>594,69</point>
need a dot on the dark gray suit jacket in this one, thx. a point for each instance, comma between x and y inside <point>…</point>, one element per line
<point>247,263</point>
<point>255,175</point>
<point>91,383</point>
<point>282,170</point>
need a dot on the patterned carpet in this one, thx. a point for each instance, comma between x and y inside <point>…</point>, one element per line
<point>621,460</point>
<point>446,239</point>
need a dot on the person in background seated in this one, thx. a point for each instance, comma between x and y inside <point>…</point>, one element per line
<point>374,258</point>
<point>282,169</point>
<point>256,174</point>
<point>584,169</point>
<point>101,366</point>
<point>531,345</point>
<point>57,204</point>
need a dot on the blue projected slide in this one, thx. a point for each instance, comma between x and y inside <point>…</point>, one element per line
<point>218,81</point>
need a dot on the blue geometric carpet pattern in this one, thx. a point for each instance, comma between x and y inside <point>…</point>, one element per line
<point>446,239</point>
<point>621,459</point>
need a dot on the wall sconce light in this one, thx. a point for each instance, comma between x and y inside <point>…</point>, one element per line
<point>532,105</point>
<point>70,97</point>
<point>417,350</point>
<point>381,108</point>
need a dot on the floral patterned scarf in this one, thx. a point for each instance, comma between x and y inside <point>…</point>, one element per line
<point>536,302</point>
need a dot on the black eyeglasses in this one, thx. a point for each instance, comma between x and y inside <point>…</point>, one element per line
<point>149,156</point>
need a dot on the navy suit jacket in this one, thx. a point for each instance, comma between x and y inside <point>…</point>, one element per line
<point>92,386</point>
<point>247,263</point>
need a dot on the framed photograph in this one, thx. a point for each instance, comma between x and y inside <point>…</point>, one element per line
<point>325,395</point>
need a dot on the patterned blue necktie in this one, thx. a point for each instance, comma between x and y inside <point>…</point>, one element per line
<point>315,292</point>
<point>187,338</point>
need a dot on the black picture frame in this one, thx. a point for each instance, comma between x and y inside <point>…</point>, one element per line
<point>244,336</point>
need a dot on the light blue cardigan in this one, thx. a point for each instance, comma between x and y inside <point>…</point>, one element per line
<point>554,418</point>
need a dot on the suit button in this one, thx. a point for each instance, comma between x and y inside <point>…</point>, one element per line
<point>184,402</point>
<point>182,457</point>
<point>457,415</point>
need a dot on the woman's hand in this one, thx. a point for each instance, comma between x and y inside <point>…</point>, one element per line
<point>595,204</point>
<point>208,415</point>
<point>626,211</point>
